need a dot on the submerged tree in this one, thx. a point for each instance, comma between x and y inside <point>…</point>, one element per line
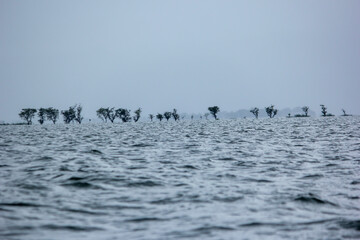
<point>69,115</point>
<point>305,110</point>
<point>214,110</point>
<point>78,116</point>
<point>111,115</point>
<point>159,116</point>
<point>42,115</point>
<point>123,114</point>
<point>271,111</point>
<point>27,114</point>
<point>175,115</point>
<point>324,111</point>
<point>52,114</point>
<point>102,113</point>
<point>255,111</point>
<point>151,117</point>
<point>137,115</point>
<point>344,113</point>
<point>167,115</point>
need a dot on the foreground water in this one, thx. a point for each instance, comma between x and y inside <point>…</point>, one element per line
<point>227,179</point>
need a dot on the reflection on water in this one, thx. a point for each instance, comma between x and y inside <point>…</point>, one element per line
<point>227,179</point>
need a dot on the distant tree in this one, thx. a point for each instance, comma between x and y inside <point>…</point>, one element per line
<point>305,110</point>
<point>123,114</point>
<point>137,115</point>
<point>214,110</point>
<point>167,115</point>
<point>344,113</point>
<point>78,116</point>
<point>27,114</point>
<point>69,115</point>
<point>159,116</point>
<point>289,115</point>
<point>206,115</point>
<point>175,115</point>
<point>255,111</point>
<point>42,115</point>
<point>52,114</point>
<point>111,115</point>
<point>271,112</point>
<point>151,117</point>
<point>102,113</point>
<point>192,117</point>
<point>323,110</point>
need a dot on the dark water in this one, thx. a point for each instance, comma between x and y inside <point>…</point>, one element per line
<point>227,179</point>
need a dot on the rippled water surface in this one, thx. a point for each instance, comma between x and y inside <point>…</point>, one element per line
<point>227,179</point>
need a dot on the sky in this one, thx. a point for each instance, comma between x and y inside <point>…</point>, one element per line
<point>189,55</point>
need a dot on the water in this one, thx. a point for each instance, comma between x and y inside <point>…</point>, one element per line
<point>227,179</point>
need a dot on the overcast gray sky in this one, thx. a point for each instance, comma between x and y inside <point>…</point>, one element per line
<point>188,55</point>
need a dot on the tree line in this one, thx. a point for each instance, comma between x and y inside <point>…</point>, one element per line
<point>74,114</point>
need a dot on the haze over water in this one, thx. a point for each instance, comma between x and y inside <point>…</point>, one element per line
<point>229,179</point>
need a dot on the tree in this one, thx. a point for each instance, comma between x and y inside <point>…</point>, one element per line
<point>175,115</point>
<point>159,116</point>
<point>69,115</point>
<point>323,110</point>
<point>255,111</point>
<point>111,115</point>
<point>214,110</point>
<point>305,110</point>
<point>167,115</point>
<point>271,112</point>
<point>123,114</point>
<point>137,115</point>
<point>151,117</point>
<point>78,116</point>
<point>206,115</point>
<point>42,115</point>
<point>52,114</point>
<point>102,113</point>
<point>27,114</point>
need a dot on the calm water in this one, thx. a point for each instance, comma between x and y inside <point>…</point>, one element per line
<point>227,179</point>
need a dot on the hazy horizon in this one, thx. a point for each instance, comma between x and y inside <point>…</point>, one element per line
<point>160,55</point>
